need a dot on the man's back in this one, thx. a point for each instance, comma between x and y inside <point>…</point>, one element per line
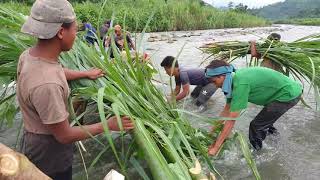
<point>192,76</point>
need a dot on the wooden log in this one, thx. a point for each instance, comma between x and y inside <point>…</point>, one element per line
<point>16,166</point>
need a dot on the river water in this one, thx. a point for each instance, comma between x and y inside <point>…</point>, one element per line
<point>293,155</point>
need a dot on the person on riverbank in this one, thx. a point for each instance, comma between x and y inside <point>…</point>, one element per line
<point>258,85</point>
<point>90,35</point>
<point>119,40</point>
<point>42,91</point>
<point>184,78</point>
<point>274,37</point>
<point>104,29</point>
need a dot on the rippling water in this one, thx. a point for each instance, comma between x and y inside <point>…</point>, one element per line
<point>294,154</point>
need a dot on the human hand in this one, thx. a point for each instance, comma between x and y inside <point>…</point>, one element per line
<point>94,73</point>
<point>127,124</point>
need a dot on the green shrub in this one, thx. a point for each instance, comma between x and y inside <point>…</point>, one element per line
<point>173,15</point>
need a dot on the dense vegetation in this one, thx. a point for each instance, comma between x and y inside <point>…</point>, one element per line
<point>168,15</point>
<point>304,12</point>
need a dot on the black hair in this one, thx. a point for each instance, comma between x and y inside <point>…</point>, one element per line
<point>107,22</point>
<point>66,25</point>
<point>274,36</point>
<point>168,61</point>
<point>216,64</point>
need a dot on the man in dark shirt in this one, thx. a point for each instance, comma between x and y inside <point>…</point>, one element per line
<point>186,77</point>
<point>104,29</point>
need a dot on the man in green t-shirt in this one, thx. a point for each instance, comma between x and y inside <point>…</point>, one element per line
<point>258,85</point>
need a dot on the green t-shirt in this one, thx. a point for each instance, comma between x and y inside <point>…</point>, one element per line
<point>261,86</point>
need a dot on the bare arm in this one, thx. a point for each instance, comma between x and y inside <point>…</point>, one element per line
<point>254,52</point>
<point>90,74</point>
<point>227,128</point>
<point>184,93</point>
<point>65,134</point>
<point>177,90</point>
<point>224,113</point>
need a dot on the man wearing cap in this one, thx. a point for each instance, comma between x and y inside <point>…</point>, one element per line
<point>42,91</point>
<point>258,85</point>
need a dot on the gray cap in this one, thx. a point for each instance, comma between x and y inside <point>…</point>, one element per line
<point>46,18</point>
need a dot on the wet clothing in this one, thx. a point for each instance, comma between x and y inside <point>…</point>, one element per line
<point>261,86</point>
<point>266,87</point>
<point>42,93</point>
<point>263,122</point>
<point>203,91</point>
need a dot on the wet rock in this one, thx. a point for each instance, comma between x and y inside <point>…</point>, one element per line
<point>185,35</point>
<point>170,41</point>
<point>150,49</point>
<point>153,35</point>
<point>195,34</point>
<point>174,35</point>
<point>151,39</point>
<point>164,37</point>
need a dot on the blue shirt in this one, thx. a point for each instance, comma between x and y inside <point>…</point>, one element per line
<point>90,30</point>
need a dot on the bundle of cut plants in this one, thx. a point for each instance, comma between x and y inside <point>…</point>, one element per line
<point>162,138</point>
<point>300,59</point>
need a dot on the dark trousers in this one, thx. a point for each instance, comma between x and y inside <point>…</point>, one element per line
<point>202,93</point>
<point>264,121</point>
<point>65,175</point>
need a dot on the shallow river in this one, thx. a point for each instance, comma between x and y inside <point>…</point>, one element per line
<point>294,154</point>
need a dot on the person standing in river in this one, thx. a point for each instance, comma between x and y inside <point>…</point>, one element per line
<point>258,85</point>
<point>275,38</point>
<point>42,91</point>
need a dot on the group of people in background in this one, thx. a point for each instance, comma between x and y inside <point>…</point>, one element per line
<point>119,36</point>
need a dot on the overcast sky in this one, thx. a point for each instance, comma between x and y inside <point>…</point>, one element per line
<point>250,3</point>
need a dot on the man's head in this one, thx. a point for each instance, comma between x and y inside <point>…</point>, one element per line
<point>274,37</point>
<point>107,23</point>
<point>169,62</point>
<point>219,79</point>
<point>117,30</point>
<point>52,20</point>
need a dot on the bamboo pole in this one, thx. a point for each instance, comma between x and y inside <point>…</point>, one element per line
<point>16,166</point>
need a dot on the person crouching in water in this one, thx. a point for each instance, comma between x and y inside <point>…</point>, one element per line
<point>258,85</point>
<point>185,77</point>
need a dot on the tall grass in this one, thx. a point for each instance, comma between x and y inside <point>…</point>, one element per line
<point>169,144</point>
<point>173,15</point>
<point>300,58</point>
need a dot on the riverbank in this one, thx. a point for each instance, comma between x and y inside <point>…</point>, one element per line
<point>168,16</point>
<point>292,155</point>
<point>302,21</point>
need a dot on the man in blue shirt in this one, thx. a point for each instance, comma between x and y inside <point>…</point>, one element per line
<point>185,77</point>
<point>90,32</point>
